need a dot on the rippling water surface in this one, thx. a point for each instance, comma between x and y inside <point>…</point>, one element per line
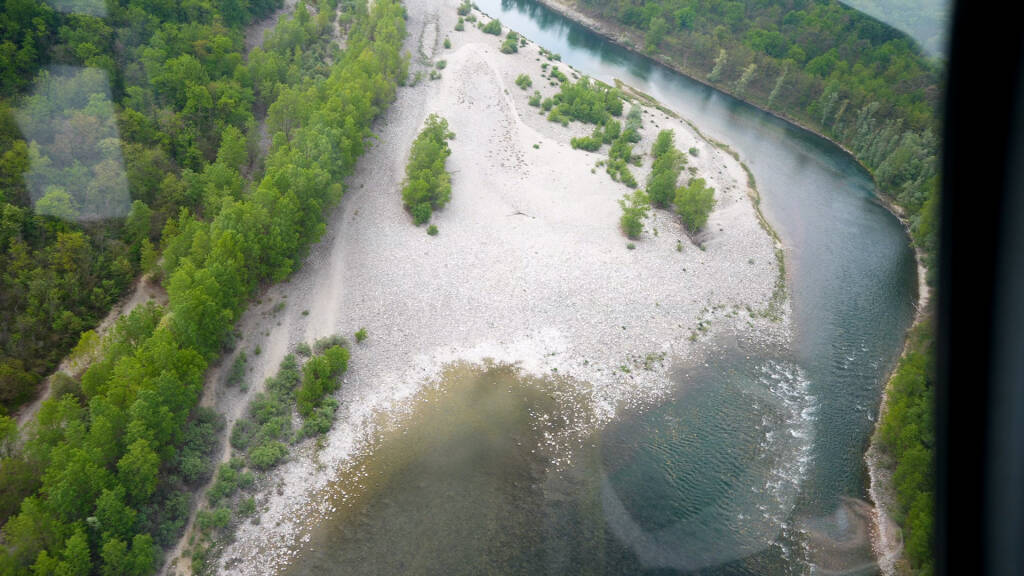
<point>754,465</point>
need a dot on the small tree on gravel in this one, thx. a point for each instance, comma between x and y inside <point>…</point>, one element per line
<point>694,203</point>
<point>634,209</point>
<point>492,27</point>
<point>428,184</point>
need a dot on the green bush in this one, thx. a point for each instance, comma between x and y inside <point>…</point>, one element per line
<point>492,27</point>
<point>441,64</point>
<point>465,8</point>
<point>635,207</point>
<point>447,42</point>
<point>524,81</point>
<point>586,101</point>
<point>432,230</point>
<point>237,373</point>
<point>511,43</point>
<point>460,25</point>
<point>267,455</point>
<point>694,203</point>
<point>668,163</point>
<point>213,519</point>
<point>590,143</point>
<point>320,376</point>
<point>361,335</point>
<point>535,99</point>
<point>428,185</point>
<point>225,485</point>
<point>247,507</point>
<point>321,419</point>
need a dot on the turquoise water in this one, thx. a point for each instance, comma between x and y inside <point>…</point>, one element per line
<point>753,466</point>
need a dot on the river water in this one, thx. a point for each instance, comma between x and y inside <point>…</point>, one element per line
<point>753,466</point>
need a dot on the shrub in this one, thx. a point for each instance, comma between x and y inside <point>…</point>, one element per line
<point>668,163</point>
<point>210,519</point>
<point>535,99</point>
<point>361,335</point>
<point>247,507</point>
<point>432,230</point>
<point>267,455</point>
<point>447,42</point>
<point>547,104</point>
<point>693,151</point>
<point>242,433</point>
<point>612,130</point>
<point>492,27</point>
<point>694,203</point>
<point>590,143</point>
<point>511,43</point>
<point>237,372</point>
<point>428,184</point>
<point>328,342</point>
<point>225,485</point>
<point>524,81</point>
<point>441,64</point>
<point>465,8</point>
<point>321,420</point>
<point>586,101</point>
<point>460,25</point>
<point>634,209</point>
<point>320,377</point>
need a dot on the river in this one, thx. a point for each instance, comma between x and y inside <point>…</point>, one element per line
<point>753,466</point>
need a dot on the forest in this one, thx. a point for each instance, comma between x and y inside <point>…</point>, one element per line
<point>100,480</point>
<point>170,82</point>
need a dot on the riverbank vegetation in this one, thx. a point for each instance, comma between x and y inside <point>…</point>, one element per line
<point>100,466</point>
<point>428,185</point>
<point>907,433</point>
<point>264,438</point>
